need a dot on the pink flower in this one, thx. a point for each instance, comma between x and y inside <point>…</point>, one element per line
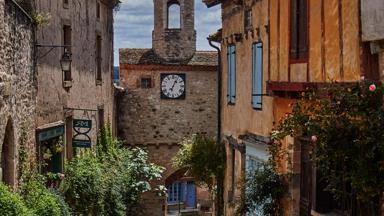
<point>314,139</point>
<point>372,88</point>
<point>362,78</point>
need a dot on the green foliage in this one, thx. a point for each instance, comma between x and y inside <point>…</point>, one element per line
<point>202,158</point>
<point>346,125</point>
<point>41,200</point>
<point>12,204</point>
<point>109,181</point>
<point>264,190</point>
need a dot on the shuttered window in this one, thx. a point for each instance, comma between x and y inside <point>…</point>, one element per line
<point>299,29</point>
<point>257,75</point>
<point>231,53</point>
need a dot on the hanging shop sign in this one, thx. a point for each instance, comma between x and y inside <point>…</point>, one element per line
<point>81,139</point>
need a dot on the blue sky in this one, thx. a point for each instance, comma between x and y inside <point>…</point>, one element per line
<point>134,24</point>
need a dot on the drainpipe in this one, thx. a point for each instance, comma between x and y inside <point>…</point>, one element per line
<point>219,93</point>
<point>220,180</point>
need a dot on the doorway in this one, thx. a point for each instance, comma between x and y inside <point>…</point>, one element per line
<point>8,156</point>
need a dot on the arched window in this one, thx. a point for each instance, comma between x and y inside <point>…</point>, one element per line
<point>174,15</point>
<point>8,156</point>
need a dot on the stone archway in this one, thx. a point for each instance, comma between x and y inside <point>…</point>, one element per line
<point>8,155</point>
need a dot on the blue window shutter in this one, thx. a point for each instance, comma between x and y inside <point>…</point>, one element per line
<point>229,57</point>
<point>257,75</point>
<point>233,75</point>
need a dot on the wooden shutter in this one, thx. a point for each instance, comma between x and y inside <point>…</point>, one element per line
<point>293,30</point>
<point>229,48</point>
<point>299,29</point>
<point>257,75</point>
<point>233,75</point>
<point>303,29</point>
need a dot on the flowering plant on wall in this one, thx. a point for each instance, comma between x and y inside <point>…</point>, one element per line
<point>344,124</point>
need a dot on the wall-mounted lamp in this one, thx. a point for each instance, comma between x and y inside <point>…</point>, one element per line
<point>65,61</point>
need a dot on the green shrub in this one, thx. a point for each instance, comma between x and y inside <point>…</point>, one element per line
<point>11,204</point>
<point>41,200</point>
<point>110,181</point>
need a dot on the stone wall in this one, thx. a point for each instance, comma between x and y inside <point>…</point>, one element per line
<point>147,121</point>
<point>84,92</point>
<point>174,45</point>
<point>17,85</point>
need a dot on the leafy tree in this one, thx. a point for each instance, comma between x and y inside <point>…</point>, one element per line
<point>204,159</point>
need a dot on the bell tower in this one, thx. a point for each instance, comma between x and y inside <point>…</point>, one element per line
<point>174,36</point>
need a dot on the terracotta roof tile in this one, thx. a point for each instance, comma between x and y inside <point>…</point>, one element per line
<point>148,56</point>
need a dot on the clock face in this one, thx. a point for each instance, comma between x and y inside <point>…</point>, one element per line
<point>172,86</point>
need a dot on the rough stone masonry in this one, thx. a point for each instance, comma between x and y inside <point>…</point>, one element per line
<point>17,87</point>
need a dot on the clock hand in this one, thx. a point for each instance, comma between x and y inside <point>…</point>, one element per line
<point>173,86</point>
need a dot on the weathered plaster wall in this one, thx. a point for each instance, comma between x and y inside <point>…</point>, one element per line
<point>241,118</point>
<point>85,92</point>
<point>17,80</point>
<point>334,43</point>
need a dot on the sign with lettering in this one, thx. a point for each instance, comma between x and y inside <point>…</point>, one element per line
<point>81,138</point>
<point>51,133</point>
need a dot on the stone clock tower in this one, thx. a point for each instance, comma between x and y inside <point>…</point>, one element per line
<point>174,44</point>
<point>171,93</point>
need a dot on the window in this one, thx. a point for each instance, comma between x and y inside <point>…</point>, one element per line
<point>98,58</point>
<point>257,75</point>
<point>100,114</point>
<point>65,4</point>
<point>97,10</point>
<point>299,29</point>
<point>234,174</point>
<point>174,15</point>
<point>67,41</point>
<point>248,20</point>
<point>146,83</point>
<point>174,191</point>
<point>231,54</point>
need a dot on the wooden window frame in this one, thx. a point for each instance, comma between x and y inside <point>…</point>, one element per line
<point>99,59</point>
<point>257,94</point>
<point>298,52</point>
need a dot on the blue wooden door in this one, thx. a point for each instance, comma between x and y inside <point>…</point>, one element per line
<point>191,195</point>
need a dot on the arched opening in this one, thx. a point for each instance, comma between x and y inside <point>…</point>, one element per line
<point>8,156</point>
<point>174,15</point>
<point>181,192</point>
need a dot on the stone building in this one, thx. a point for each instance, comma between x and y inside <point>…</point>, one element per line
<point>271,52</point>
<point>17,87</point>
<point>83,32</point>
<point>170,94</point>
